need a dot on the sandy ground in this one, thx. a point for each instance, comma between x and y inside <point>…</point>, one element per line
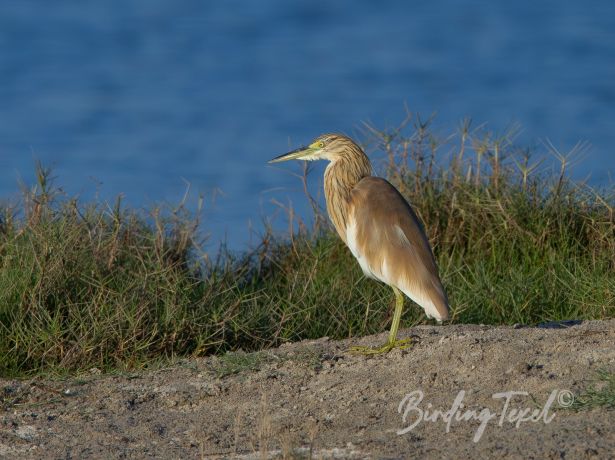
<point>313,399</point>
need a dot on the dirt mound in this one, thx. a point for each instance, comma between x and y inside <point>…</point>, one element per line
<point>453,394</point>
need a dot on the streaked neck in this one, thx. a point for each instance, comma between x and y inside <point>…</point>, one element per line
<point>341,175</point>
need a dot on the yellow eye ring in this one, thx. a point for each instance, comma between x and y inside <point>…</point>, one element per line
<point>321,144</point>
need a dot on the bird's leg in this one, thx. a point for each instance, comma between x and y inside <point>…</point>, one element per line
<point>392,342</point>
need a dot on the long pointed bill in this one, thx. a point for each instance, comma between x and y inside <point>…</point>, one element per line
<point>294,155</point>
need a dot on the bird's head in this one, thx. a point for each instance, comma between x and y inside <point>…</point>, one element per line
<point>325,147</point>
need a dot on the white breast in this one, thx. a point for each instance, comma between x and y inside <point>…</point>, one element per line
<point>351,240</point>
<point>385,275</point>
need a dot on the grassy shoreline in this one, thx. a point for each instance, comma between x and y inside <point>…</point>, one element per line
<point>87,285</point>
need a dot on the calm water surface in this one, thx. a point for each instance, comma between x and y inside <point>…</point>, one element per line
<point>141,97</point>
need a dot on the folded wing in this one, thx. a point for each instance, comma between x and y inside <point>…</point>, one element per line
<point>386,237</point>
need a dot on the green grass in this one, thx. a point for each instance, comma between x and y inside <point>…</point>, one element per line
<point>601,394</point>
<point>87,285</point>
<point>237,362</point>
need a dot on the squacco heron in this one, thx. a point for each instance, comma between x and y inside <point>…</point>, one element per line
<point>380,228</point>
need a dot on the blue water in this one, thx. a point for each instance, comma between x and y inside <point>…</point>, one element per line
<point>141,97</point>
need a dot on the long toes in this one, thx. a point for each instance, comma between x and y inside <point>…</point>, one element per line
<point>401,344</point>
<point>362,350</point>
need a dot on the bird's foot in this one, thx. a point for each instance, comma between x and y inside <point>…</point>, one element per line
<point>401,344</point>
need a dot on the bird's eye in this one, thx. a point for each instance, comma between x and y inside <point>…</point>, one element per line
<point>321,145</point>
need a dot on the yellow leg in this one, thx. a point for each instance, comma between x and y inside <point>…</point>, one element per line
<point>392,342</point>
